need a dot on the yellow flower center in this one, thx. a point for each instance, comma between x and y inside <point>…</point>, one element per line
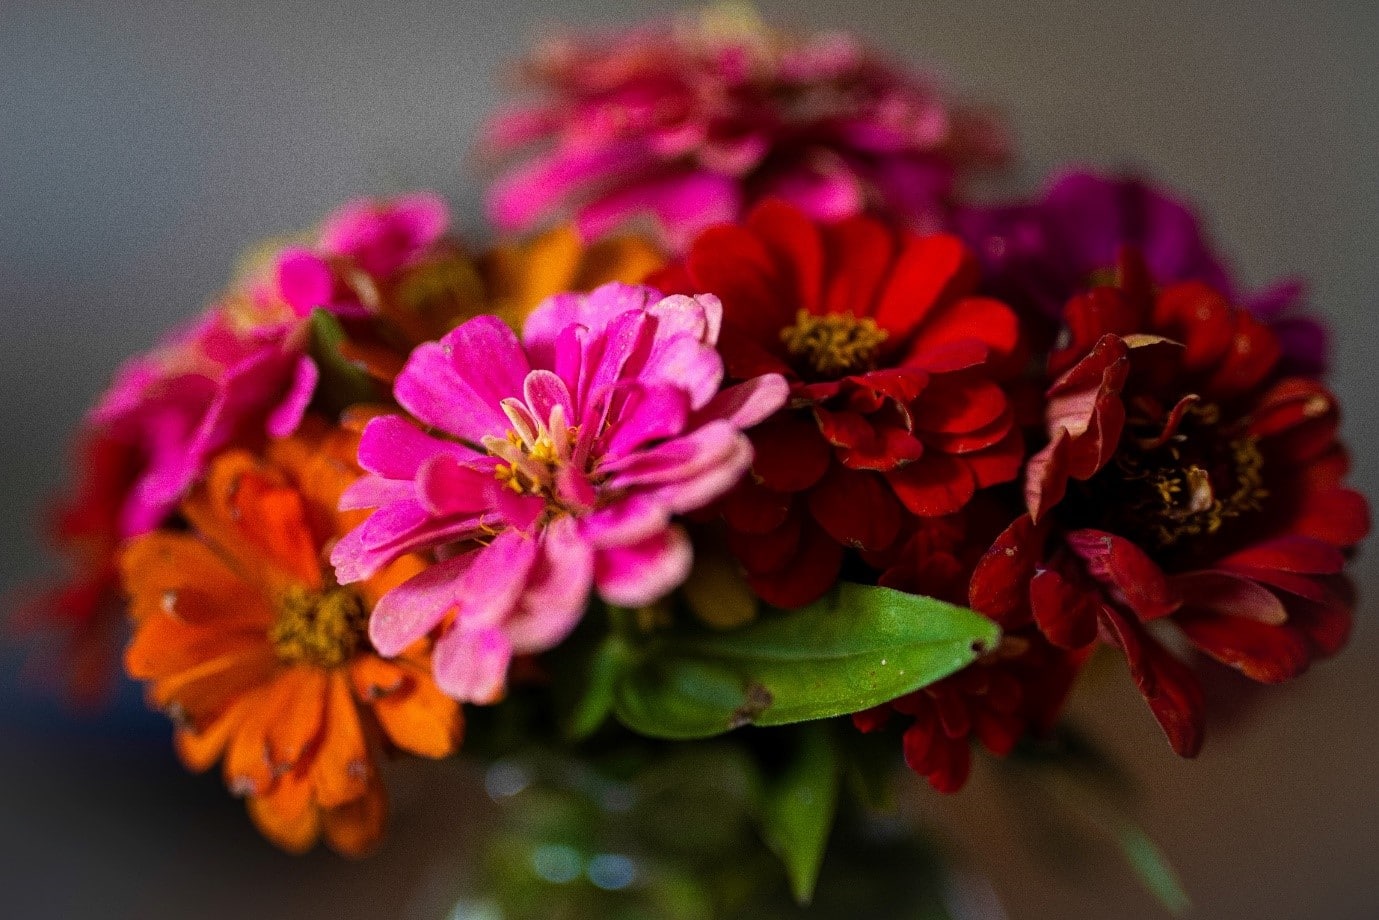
<point>834,344</point>
<point>323,628</point>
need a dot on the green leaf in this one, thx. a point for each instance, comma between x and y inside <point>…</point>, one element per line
<point>798,810</point>
<point>856,648</point>
<point>594,703</point>
<point>1153,868</point>
<point>343,383</point>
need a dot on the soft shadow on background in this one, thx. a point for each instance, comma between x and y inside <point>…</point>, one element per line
<point>142,144</point>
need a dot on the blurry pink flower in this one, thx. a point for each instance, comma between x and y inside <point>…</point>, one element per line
<point>360,246</point>
<point>206,388</point>
<point>556,467</point>
<point>690,123</point>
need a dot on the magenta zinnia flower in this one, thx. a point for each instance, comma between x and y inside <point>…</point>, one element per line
<point>549,468</point>
<point>689,123</point>
<point>1038,255</point>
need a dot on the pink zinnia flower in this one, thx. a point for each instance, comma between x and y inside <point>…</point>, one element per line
<point>549,468</point>
<point>691,122</point>
<point>206,388</point>
<point>359,247</point>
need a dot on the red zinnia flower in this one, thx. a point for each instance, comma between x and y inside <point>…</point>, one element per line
<point>1018,688</point>
<point>895,409</point>
<point>1187,480</point>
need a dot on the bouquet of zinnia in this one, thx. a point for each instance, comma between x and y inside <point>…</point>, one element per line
<point>756,455</point>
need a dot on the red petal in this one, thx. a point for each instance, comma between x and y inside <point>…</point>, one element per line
<point>1301,555</point>
<point>933,485</point>
<point>807,577</point>
<point>1197,316</point>
<point>1268,654</point>
<point>1064,613</point>
<point>1253,353</point>
<point>733,264</point>
<point>1339,517</point>
<point>793,240</point>
<point>856,509</point>
<point>1000,581</point>
<point>998,463</point>
<point>860,251</point>
<point>791,455</point>
<point>753,508</point>
<point>1227,595</point>
<point>952,404</point>
<point>973,318</point>
<point>1134,579</point>
<point>929,271</point>
<point>1168,686</point>
<point>772,551</point>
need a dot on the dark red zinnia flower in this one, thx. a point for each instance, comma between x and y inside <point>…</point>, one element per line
<point>1187,483</point>
<point>896,408</point>
<point>1017,689</point>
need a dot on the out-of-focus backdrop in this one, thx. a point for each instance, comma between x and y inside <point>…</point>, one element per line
<point>144,142</point>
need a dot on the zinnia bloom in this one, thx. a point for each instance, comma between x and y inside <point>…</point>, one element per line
<point>1036,256</point>
<point>691,123</point>
<point>895,407</point>
<point>262,658</point>
<point>1187,480</point>
<point>548,467</point>
<point>1017,689</point>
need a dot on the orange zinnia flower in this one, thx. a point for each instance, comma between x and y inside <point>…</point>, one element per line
<point>264,661</point>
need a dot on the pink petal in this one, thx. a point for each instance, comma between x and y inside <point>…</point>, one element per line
<point>304,280</point>
<point>457,385</point>
<point>493,585</point>
<point>636,575</point>
<point>746,404</point>
<point>628,520</point>
<point>288,414</point>
<point>413,608</point>
<point>646,413</point>
<point>393,447</point>
<point>471,665</point>
<point>557,590</point>
<point>445,486</point>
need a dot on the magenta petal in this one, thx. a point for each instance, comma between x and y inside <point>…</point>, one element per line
<point>493,585</point>
<point>628,520</point>
<point>288,414</point>
<point>305,280</point>
<point>543,391</point>
<point>393,447</point>
<point>372,491</point>
<point>644,572</point>
<point>557,590</point>
<point>689,472</point>
<point>413,608</point>
<point>471,665</point>
<point>747,404</point>
<point>646,413</point>
<point>445,486</point>
<point>432,389</point>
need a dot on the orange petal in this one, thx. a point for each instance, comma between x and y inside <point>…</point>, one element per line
<point>300,717</point>
<point>422,719</point>
<point>342,769</point>
<point>248,770</point>
<point>175,573</point>
<point>355,829</point>
<point>280,818</point>
<point>198,750</point>
<point>201,693</point>
<point>374,678</point>
<point>390,576</point>
<point>163,646</point>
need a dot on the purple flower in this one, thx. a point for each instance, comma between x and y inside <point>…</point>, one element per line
<point>548,468</point>
<point>1037,255</point>
<point>690,123</point>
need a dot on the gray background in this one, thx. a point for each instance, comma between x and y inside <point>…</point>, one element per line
<point>143,143</point>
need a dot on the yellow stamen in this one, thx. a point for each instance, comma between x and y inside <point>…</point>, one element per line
<point>834,344</point>
<point>321,628</point>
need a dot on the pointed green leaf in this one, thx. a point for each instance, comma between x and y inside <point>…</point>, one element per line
<point>799,807</point>
<point>859,647</point>
<point>1153,868</point>
<point>343,383</point>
